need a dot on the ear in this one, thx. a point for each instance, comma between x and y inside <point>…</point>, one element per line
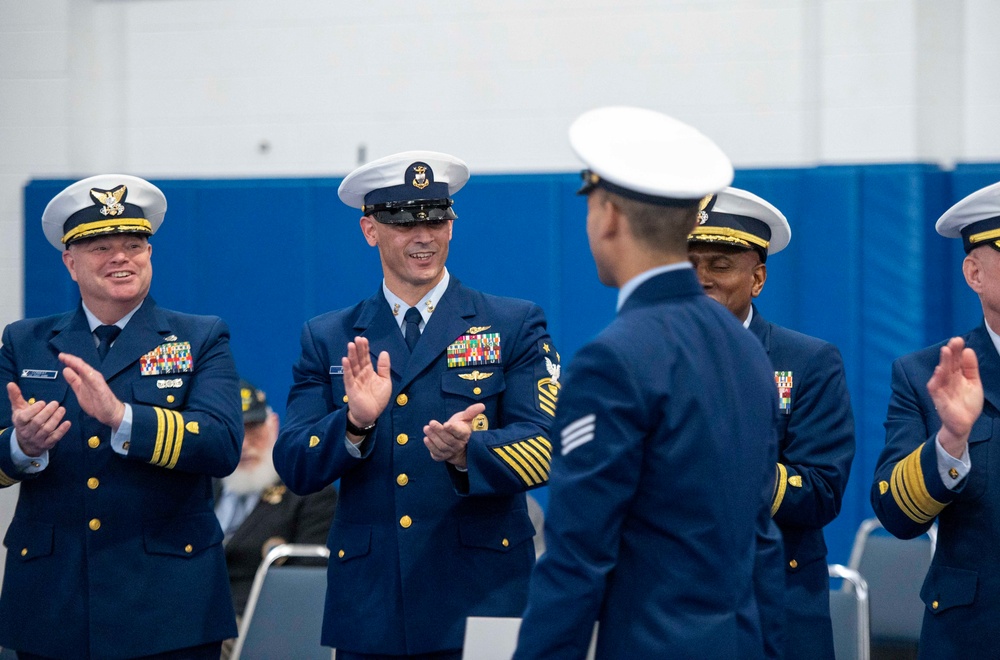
<point>973,271</point>
<point>759,277</point>
<point>369,229</point>
<point>613,220</point>
<point>70,263</point>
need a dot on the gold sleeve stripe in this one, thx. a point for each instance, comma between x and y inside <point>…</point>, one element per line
<point>909,490</point>
<point>542,444</point>
<point>6,481</point>
<point>512,451</point>
<point>158,447</point>
<point>169,435</point>
<point>537,455</point>
<point>522,449</point>
<point>178,441</point>
<point>514,465</point>
<point>779,491</point>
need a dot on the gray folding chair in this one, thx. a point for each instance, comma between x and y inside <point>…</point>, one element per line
<point>894,570</point>
<point>495,638</point>
<point>284,614</point>
<point>849,613</point>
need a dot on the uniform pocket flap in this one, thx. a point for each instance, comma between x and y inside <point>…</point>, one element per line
<point>499,532</point>
<point>473,383</point>
<point>162,391</point>
<point>43,390</point>
<point>349,540</point>
<point>947,587</point>
<point>27,540</point>
<point>183,536</point>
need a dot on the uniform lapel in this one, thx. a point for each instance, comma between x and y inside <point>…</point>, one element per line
<point>144,332</point>
<point>761,329</point>
<point>377,324</point>
<point>72,335</point>
<point>449,321</point>
<point>989,363</point>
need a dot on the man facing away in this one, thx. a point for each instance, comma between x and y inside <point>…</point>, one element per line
<point>118,415</point>
<point>736,232</point>
<point>664,467</point>
<point>436,443</point>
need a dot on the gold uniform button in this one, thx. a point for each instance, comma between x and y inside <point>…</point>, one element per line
<point>93,442</point>
<point>934,605</point>
<point>793,564</point>
<point>405,522</point>
<point>402,480</point>
<point>340,554</point>
<point>505,543</point>
<point>477,390</point>
<point>189,548</point>
<point>402,400</point>
<point>345,398</point>
<point>24,552</point>
<point>313,440</point>
<point>31,400</point>
<point>953,473</point>
<point>170,398</point>
<point>95,524</point>
<point>93,483</point>
<point>402,439</point>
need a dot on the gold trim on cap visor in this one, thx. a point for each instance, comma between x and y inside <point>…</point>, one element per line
<point>103,226</point>
<point>984,236</point>
<point>728,234</point>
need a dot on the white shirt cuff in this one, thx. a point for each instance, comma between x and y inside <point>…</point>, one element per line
<point>123,436</point>
<point>952,470</point>
<point>23,462</point>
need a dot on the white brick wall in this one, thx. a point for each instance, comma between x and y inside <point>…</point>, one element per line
<point>194,87</point>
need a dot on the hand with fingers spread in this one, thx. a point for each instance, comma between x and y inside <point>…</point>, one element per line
<point>367,388</point>
<point>39,425</point>
<point>449,441</point>
<point>92,391</point>
<point>957,392</point>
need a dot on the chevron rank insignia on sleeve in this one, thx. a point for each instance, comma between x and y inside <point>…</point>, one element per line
<point>529,459</point>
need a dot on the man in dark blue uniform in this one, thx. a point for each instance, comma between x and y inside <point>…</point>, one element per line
<point>737,230</point>
<point>436,443</point>
<point>663,471</point>
<point>937,464</point>
<point>118,414</point>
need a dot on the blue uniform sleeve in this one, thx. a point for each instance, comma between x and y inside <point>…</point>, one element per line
<point>596,471</point>
<point>310,452</point>
<point>818,445</point>
<point>205,435</point>
<point>908,493</point>
<point>516,455</point>
<point>9,474</point>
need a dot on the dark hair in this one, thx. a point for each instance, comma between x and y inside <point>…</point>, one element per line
<point>664,228</point>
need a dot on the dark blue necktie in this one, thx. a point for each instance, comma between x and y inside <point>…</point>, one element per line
<point>106,334</point>
<point>411,326</point>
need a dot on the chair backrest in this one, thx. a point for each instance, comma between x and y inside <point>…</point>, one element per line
<point>849,614</point>
<point>495,638</point>
<point>894,570</point>
<point>537,515</point>
<point>284,613</point>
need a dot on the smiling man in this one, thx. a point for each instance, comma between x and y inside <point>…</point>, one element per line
<point>117,415</point>
<point>737,231</point>
<point>436,443</point>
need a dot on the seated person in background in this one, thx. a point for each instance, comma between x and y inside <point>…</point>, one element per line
<point>258,512</point>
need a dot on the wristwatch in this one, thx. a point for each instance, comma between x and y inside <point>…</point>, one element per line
<point>361,431</point>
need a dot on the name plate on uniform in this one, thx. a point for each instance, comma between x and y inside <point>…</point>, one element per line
<point>44,374</point>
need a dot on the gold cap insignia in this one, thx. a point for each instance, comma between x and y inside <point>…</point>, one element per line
<point>111,199</point>
<point>420,177</point>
